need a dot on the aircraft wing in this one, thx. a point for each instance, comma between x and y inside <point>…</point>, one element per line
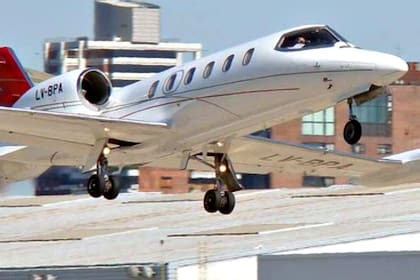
<point>262,155</point>
<point>80,137</point>
<point>259,155</point>
<point>253,154</point>
<point>71,128</point>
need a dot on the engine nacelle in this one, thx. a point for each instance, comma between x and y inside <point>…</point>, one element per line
<point>90,86</point>
<point>94,87</point>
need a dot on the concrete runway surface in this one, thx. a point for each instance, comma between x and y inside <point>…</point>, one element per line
<point>150,227</point>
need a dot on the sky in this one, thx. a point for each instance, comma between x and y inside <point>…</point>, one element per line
<point>388,26</point>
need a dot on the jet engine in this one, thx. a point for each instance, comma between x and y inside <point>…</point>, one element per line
<point>94,87</point>
<point>89,86</point>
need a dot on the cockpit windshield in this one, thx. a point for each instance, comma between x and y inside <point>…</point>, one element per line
<point>316,37</point>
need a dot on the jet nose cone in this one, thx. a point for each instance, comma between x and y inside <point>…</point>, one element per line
<point>396,64</point>
<point>402,66</point>
<point>391,68</point>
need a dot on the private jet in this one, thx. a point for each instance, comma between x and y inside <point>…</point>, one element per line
<point>199,115</point>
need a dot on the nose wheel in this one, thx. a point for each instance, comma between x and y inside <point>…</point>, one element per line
<point>352,132</point>
<point>101,183</point>
<point>353,129</point>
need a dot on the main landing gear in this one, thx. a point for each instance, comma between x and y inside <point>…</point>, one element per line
<point>353,129</point>
<point>102,183</point>
<point>221,197</point>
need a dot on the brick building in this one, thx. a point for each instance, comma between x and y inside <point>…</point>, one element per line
<point>390,123</point>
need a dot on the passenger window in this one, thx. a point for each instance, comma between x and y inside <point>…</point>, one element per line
<point>152,89</point>
<point>172,83</point>
<point>189,76</point>
<point>247,57</point>
<point>208,69</point>
<point>228,63</point>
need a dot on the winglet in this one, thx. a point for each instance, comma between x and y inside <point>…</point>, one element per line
<point>404,157</point>
<point>14,81</point>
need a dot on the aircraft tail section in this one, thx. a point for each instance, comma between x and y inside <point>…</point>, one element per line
<point>14,81</point>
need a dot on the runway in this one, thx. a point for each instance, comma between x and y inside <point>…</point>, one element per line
<point>151,227</point>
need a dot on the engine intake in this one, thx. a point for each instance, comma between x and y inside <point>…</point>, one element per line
<point>94,87</point>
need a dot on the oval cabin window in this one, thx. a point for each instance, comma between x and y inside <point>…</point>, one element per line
<point>248,56</point>
<point>189,76</point>
<point>152,89</point>
<point>208,70</point>
<point>228,63</point>
<point>169,85</point>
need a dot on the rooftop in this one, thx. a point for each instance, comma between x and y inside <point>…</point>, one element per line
<point>129,4</point>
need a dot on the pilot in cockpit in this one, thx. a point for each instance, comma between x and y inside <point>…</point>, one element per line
<point>300,43</point>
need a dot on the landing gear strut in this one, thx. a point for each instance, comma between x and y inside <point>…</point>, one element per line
<point>221,197</point>
<point>101,183</point>
<point>353,129</point>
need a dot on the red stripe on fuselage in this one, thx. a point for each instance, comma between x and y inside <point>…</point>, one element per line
<point>13,80</point>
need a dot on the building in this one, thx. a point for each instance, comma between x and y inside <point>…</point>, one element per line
<point>129,21</point>
<point>367,265</point>
<point>123,62</point>
<point>127,45</point>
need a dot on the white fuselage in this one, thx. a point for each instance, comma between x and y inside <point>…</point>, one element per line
<point>276,85</point>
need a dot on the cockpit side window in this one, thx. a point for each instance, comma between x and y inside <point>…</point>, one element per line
<point>307,38</point>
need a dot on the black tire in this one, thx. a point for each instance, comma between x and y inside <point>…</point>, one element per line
<point>112,191</point>
<point>212,200</point>
<point>352,132</point>
<point>229,205</point>
<point>95,186</point>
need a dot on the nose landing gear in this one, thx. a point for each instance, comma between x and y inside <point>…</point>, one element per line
<point>353,129</point>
